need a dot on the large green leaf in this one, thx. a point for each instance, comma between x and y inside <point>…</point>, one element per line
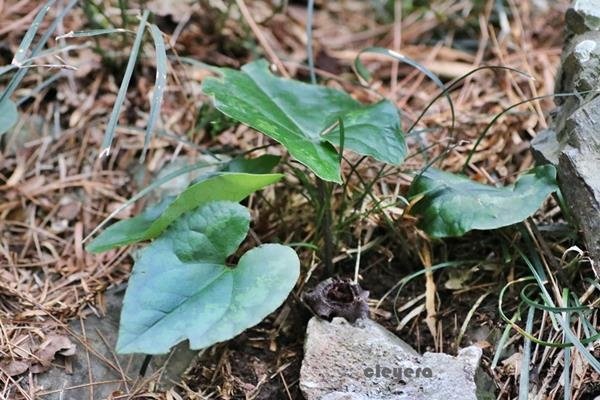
<point>8,115</point>
<point>150,223</point>
<point>453,204</point>
<point>298,115</point>
<point>181,287</point>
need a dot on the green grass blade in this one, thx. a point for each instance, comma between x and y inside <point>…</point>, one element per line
<point>159,85</point>
<point>526,360</point>
<point>309,40</point>
<point>93,32</point>
<point>362,72</point>
<point>455,83</point>
<point>566,375</point>
<point>114,116</point>
<point>18,77</point>
<point>46,36</point>
<point>21,53</point>
<point>5,68</point>
<point>194,63</point>
<point>502,342</point>
<point>469,316</point>
<point>570,337</point>
<point>402,282</point>
<point>507,109</point>
<point>27,63</point>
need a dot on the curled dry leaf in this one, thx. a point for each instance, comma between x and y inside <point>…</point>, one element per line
<point>43,356</point>
<point>54,344</point>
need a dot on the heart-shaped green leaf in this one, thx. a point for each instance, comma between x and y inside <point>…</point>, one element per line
<point>453,204</point>
<point>9,115</point>
<point>150,223</point>
<point>181,287</point>
<point>298,115</point>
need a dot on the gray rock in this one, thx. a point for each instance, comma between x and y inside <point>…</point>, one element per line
<point>545,147</point>
<point>583,16</point>
<point>365,361</point>
<point>575,147</point>
<point>579,175</point>
<point>580,65</point>
<point>101,337</point>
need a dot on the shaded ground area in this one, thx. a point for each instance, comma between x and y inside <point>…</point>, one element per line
<point>54,188</point>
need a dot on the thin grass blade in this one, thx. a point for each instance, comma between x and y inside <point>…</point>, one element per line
<point>159,85</point>
<point>465,324</point>
<point>566,375</point>
<point>526,360</point>
<point>41,87</point>
<point>94,32</point>
<point>309,40</point>
<point>116,111</point>
<point>502,342</point>
<point>456,81</point>
<point>21,53</point>
<point>18,77</point>
<point>5,68</point>
<point>507,109</point>
<point>364,73</point>
<point>570,337</point>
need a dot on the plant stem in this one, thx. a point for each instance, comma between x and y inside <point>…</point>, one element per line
<point>325,225</point>
<point>145,364</point>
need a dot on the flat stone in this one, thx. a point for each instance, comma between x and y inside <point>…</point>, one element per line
<point>110,374</point>
<point>365,361</point>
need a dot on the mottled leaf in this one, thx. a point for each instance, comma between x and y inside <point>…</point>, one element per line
<point>299,116</point>
<point>181,287</point>
<point>453,204</point>
<point>149,224</point>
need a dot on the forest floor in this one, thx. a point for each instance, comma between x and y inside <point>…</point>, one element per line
<point>55,189</point>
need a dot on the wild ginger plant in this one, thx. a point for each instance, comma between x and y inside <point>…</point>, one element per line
<point>181,276</point>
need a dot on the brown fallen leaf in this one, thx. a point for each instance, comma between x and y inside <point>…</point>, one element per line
<point>54,344</point>
<point>14,367</point>
<point>512,364</point>
<point>483,344</point>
